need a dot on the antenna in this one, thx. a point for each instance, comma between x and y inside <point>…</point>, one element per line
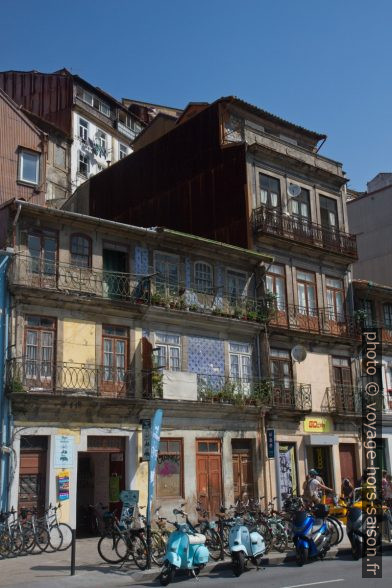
<point>298,353</point>
<point>294,190</point>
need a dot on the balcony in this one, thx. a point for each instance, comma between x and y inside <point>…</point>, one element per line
<point>344,400</point>
<point>322,321</point>
<point>149,290</point>
<point>24,375</point>
<point>274,222</point>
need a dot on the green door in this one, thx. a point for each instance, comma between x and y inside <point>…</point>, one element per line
<point>115,277</point>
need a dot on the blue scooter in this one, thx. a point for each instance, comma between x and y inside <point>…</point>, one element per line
<point>245,544</point>
<point>311,535</point>
<point>185,550</point>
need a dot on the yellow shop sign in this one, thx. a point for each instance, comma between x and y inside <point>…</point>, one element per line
<point>317,425</point>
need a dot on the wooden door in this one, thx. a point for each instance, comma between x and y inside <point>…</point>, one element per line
<point>209,474</point>
<point>347,462</point>
<point>32,480</point>
<point>243,471</point>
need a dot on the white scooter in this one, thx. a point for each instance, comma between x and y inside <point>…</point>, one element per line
<point>244,545</point>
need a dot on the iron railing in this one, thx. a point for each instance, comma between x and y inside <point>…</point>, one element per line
<point>274,222</point>
<point>323,321</point>
<point>149,290</point>
<point>344,400</point>
<point>279,394</point>
<point>61,378</point>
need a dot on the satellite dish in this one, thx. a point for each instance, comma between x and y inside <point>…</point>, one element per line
<point>298,353</point>
<point>294,190</point>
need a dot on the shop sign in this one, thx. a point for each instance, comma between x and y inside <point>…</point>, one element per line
<point>146,439</point>
<point>318,425</point>
<point>270,443</point>
<point>63,451</point>
<point>63,486</point>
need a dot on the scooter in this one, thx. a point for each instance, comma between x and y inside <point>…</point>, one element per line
<point>311,535</point>
<point>357,528</point>
<point>245,544</point>
<point>185,550</point>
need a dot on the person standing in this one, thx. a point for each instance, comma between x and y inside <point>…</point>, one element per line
<point>315,488</point>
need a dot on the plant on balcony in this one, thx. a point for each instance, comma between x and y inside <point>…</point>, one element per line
<point>261,393</point>
<point>237,312</point>
<point>16,387</point>
<point>157,299</point>
<point>217,312</point>
<point>208,394</point>
<point>193,307</point>
<point>157,384</point>
<point>252,315</point>
<point>360,316</point>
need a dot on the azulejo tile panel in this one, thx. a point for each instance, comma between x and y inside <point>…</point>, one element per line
<point>206,356</point>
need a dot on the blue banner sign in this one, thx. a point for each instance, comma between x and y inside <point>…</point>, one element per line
<point>154,448</point>
<point>270,443</point>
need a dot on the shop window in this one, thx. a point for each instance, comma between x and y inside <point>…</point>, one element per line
<point>169,481</point>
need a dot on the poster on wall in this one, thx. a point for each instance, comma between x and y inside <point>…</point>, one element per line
<point>287,471</point>
<point>146,439</point>
<point>63,486</point>
<point>63,451</point>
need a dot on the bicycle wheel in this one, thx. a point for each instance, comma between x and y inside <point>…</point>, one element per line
<point>5,544</point>
<point>28,540</point>
<point>139,552</point>
<point>41,539</point>
<point>339,526</point>
<point>17,541</point>
<point>266,532</point>
<point>107,548</point>
<point>55,538</point>
<point>213,543</point>
<point>158,548</point>
<point>280,539</point>
<point>225,539</point>
<point>335,531</point>
<point>66,532</point>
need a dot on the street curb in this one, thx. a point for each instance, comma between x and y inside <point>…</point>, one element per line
<point>274,559</point>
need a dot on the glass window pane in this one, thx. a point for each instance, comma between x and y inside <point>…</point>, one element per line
<point>29,167</point>
<point>202,446</point>
<point>174,446</point>
<point>263,196</point>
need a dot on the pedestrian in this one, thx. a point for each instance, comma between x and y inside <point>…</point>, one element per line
<point>314,489</point>
<point>384,483</point>
<point>347,491</point>
<point>387,490</point>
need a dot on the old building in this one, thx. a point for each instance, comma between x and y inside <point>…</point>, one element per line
<point>100,129</point>
<point>109,321</point>
<point>232,172</point>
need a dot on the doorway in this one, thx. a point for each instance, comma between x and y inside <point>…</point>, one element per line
<point>242,468</point>
<point>320,459</point>
<point>115,265</point>
<point>32,472</point>
<point>348,467</point>
<point>209,474</point>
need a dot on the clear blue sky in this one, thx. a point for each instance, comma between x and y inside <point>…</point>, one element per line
<point>324,64</point>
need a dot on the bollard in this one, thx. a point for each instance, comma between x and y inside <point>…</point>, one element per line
<point>73,552</point>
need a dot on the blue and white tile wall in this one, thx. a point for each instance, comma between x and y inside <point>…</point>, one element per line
<point>141,261</point>
<point>206,356</point>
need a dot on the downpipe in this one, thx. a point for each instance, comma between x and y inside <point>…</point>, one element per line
<point>5,405</point>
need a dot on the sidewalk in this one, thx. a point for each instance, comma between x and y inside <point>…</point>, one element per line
<point>52,570</point>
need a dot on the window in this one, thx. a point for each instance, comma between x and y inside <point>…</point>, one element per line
<point>306,289</point>
<point>83,164</point>
<point>93,101</point>
<point>281,368</point>
<point>236,286</point>
<point>335,299</point>
<point>269,192</point>
<point>167,352</point>
<point>114,346</point>
<point>122,151</point>
<point>203,277</point>
<point>300,206</point>
<point>329,213</point>
<point>29,167</point>
<point>342,373</point>
<point>166,268</point>
<point>101,138</point>
<point>59,156</point>
<point>83,129</point>
<point>42,248</point>
<point>170,469</point>
<point>80,251</point>
<point>276,283</point>
<point>367,306</point>
<point>240,356</point>
<point>39,345</point>
<point>387,309</point>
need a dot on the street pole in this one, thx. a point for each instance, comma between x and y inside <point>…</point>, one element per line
<point>73,552</point>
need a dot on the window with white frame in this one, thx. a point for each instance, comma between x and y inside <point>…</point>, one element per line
<point>83,164</point>
<point>29,167</point>
<point>101,139</point>
<point>236,285</point>
<point>83,129</point>
<point>93,101</point>
<point>240,357</point>
<point>122,151</point>
<point>167,352</point>
<point>167,273</point>
<point>203,277</point>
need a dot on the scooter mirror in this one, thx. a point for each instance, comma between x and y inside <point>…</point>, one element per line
<point>176,511</point>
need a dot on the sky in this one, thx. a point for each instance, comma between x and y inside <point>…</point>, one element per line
<point>322,64</point>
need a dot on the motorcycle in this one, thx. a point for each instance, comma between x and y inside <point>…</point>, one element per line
<point>185,550</point>
<point>357,529</point>
<point>245,544</point>
<point>311,535</point>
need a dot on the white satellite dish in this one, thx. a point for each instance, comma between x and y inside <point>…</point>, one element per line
<point>298,353</point>
<point>294,190</point>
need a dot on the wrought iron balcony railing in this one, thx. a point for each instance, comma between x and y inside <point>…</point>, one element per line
<point>149,290</point>
<point>59,378</point>
<point>323,321</point>
<point>274,222</point>
<point>344,400</point>
<point>280,394</point>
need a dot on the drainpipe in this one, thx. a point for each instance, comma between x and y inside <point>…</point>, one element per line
<point>5,406</point>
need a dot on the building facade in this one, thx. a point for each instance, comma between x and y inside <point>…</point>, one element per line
<point>244,176</point>
<point>96,127</point>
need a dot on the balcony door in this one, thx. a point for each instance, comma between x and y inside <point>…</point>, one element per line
<point>344,394</point>
<point>115,277</point>
<point>42,251</point>
<point>282,377</point>
<point>300,208</point>
<point>39,352</point>
<point>115,360</point>
<point>329,222</point>
<point>307,315</point>
<point>276,284</point>
<point>269,202</point>
<point>336,315</point>
<point>167,274</point>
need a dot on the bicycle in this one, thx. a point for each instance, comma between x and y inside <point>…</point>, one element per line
<point>120,542</point>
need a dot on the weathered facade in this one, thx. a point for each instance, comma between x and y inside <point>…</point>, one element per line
<point>97,128</point>
<point>240,175</point>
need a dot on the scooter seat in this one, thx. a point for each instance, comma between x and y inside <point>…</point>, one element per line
<point>197,539</point>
